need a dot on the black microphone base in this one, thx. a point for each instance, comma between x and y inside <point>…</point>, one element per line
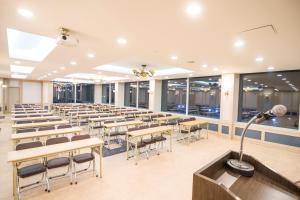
<point>241,167</point>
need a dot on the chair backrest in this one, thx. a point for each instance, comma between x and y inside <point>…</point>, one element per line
<point>54,120</point>
<point>130,119</point>
<point>23,122</point>
<point>28,145</point>
<point>108,122</point>
<point>133,129</point>
<point>80,137</point>
<point>57,140</point>
<point>153,125</point>
<point>167,115</point>
<point>26,130</point>
<point>40,120</point>
<point>46,128</point>
<point>64,126</point>
<point>20,116</point>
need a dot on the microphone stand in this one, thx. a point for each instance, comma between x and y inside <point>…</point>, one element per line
<point>238,165</point>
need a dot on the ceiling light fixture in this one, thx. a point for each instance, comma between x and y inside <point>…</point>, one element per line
<point>174,57</point>
<point>25,13</point>
<point>17,62</point>
<point>259,59</point>
<point>62,68</point>
<point>271,68</point>
<point>193,9</point>
<point>91,55</point>
<point>54,71</point>
<point>122,41</point>
<point>73,63</point>
<point>21,69</point>
<point>279,75</point>
<point>142,72</point>
<point>204,65</point>
<point>239,43</point>
<point>19,76</point>
<point>215,69</point>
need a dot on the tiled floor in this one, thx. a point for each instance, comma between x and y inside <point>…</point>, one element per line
<point>167,176</point>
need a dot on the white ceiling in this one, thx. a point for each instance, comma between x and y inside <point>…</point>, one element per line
<point>155,30</point>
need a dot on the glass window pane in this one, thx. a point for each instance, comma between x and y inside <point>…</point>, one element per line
<point>105,93</point>
<point>84,93</point>
<point>112,94</point>
<point>204,96</point>
<point>173,98</point>
<point>130,94</point>
<point>63,92</point>
<point>144,94</point>
<point>260,92</point>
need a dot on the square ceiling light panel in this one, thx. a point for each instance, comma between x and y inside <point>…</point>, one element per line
<point>21,69</point>
<point>28,46</point>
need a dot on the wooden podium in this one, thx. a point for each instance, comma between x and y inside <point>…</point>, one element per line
<point>216,181</point>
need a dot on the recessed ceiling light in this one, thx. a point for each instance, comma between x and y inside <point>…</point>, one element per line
<point>174,57</point>
<point>255,83</point>
<point>287,81</point>
<point>204,65</point>
<point>239,43</point>
<point>25,13</point>
<point>73,63</point>
<point>122,41</point>
<point>28,46</point>
<point>193,9</point>
<point>215,69</point>
<point>54,71</point>
<point>21,69</point>
<point>99,72</point>
<point>249,80</point>
<point>283,79</point>
<point>19,76</point>
<point>259,59</point>
<point>49,74</point>
<point>17,62</point>
<point>62,68</point>
<point>279,75</point>
<point>270,68</point>
<point>91,55</point>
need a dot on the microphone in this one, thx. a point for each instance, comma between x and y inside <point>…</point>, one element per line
<point>276,111</point>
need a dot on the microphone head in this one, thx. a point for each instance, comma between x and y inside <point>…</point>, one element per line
<point>279,110</point>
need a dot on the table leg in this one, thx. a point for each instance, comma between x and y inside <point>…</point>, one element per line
<point>170,141</point>
<point>127,146</point>
<point>135,152</point>
<point>101,161</point>
<point>207,131</point>
<point>15,180</point>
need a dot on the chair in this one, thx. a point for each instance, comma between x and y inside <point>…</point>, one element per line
<point>58,162</point>
<point>46,128</point>
<point>32,169</point>
<point>26,130</point>
<point>82,158</point>
<point>139,145</point>
<point>54,120</point>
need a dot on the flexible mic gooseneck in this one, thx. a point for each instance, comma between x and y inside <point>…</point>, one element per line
<point>239,165</point>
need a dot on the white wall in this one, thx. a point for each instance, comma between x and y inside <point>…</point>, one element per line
<point>31,92</point>
<point>155,95</point>
<point>119,94</point>
<point>98,93</point>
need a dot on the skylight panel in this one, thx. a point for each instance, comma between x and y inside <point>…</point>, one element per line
<point>21,69</point>
<point>19,76</point>
<point>94,77</point>
<point>114,68</point>
<point>171,71</point>
<point>28,46</point>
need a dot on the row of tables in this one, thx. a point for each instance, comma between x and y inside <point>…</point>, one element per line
<point>16,157</point>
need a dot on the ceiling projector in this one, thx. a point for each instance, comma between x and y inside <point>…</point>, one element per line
<point>65,39</point>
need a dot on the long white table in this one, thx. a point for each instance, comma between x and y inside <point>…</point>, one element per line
<point>16,157</point>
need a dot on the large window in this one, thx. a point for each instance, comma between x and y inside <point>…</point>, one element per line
<point>173,98</point>
<point>105,93</point>
<point>204,96</point>
<point>84,93</point>
<point>112,93</point>
<point>130,94</point>
<point>143,94</point>
<point>260,92</point>
<point>63,92</point>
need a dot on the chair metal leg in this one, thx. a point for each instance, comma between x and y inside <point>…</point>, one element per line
<point>75,175</point>
<point>47,181</point>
